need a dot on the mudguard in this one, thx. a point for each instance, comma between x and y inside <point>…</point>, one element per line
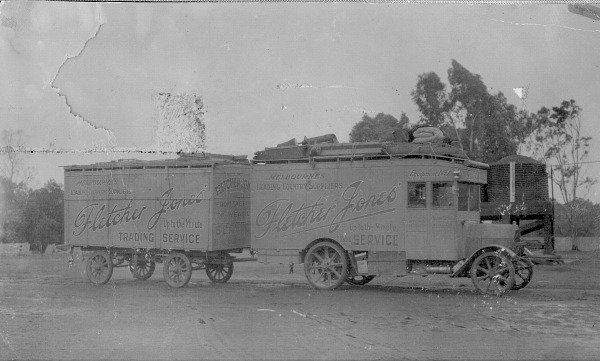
<point>463,269</point>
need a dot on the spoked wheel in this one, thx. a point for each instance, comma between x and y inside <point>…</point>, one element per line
<point>177,270</point>
<point>493,273</point>
<point>523,273</point>
<point>219,273</point>
<point>99,267</point>
<point>359,280</point>
<point>326,266</point>
<point>142,269</point>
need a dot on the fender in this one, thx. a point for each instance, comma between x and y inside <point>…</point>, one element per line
<point>462,271</point>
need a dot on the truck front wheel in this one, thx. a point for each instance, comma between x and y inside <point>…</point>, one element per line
<point>523,273</point>
<point>493,273</point>
<point>326,266</point>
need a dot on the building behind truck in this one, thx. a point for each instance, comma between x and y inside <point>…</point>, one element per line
<point>352,211</point>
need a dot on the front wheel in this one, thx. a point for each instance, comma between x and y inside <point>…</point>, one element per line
<point>326,266</point>
<point>99,267</point>
<point>493,273</point>
<point>177,270</point>
<point>523,273</point>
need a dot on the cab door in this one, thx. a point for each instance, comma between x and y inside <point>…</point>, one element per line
<point>417,221</point>
<point>442,236</point>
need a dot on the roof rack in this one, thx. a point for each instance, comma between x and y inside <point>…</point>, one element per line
<point>185,160</point>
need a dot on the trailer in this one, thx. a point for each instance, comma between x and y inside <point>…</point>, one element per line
<point>350,212</point>
<point>189,213</point>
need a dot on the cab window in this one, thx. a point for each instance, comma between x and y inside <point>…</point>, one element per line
<point>417,195</point>
<point>474,197</point>
<point>443,197</point>
<point>468,197</point>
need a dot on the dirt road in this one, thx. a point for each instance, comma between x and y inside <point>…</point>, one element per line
<point>48,311</point>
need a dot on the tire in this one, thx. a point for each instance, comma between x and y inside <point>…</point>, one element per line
<point>359,280</point>
<point>326,266</point>
<point>177,270</point>
<point>493,273</point>
<point>523,273</point>
<point>99,267</point>
<point>142,269</point>
<point>219,273</point>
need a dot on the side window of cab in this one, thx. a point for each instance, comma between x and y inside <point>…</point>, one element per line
<point>443,196</point>
<point>417,195</point>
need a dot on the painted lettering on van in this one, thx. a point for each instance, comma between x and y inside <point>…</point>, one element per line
<point>95,216</point>
<point>430,173</point>
<point>168,204</point>
<point>232,184</point>
<point>282,215</point>
<point>369,205</point>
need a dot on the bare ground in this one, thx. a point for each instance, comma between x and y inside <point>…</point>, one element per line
<point>49,311</point>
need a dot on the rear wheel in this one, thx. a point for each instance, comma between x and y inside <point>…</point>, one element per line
<point>326,266</point>
<point>177,270</point>
<point>99,267</point>
<point>359,280</point>
<point>493,273</point>
<point>523,273</point>
<point>219,273</point>
<point>142,269</point>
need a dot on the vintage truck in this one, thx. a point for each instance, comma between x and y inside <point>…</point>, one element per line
<point>349,212</point>
<point>188,213</point>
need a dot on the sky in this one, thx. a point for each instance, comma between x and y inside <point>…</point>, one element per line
<point>79,78</point>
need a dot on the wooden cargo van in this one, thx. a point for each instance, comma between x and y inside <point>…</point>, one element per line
<point>188,213</point>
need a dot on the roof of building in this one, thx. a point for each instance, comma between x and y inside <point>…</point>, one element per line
<point>517,159</point>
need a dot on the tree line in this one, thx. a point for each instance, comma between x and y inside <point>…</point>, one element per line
<point>488,128</point>
<point>27,215</point>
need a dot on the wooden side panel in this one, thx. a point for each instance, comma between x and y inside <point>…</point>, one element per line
<point>360,205</point>
<point>141,208</point>
<point>387,263</point>
<point>363,205</point>
<point>417,225</point>
<point>230,208</point>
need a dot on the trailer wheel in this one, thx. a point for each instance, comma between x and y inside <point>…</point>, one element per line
<point>359,280</point>
<point>326,266</point>
<point>99,267</point>
<point>177,270</point>
<point>523,273</point>
<point>142,269</point>
<point>219,273</point>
